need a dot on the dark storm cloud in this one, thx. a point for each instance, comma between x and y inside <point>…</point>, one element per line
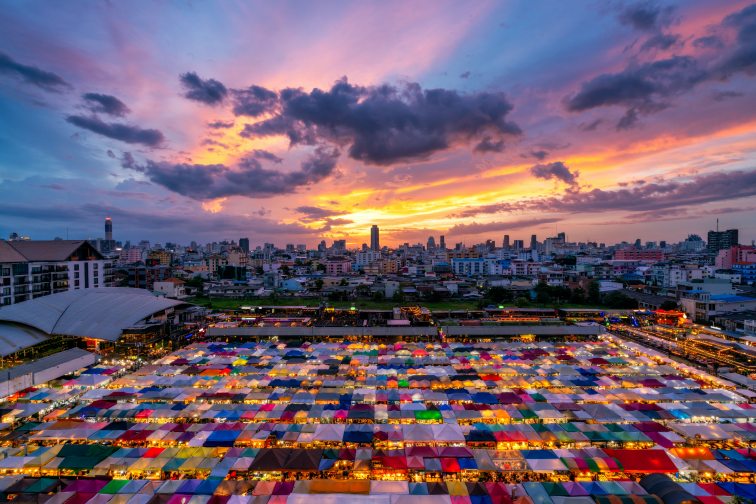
<point>646,16</point>
<point>105,104</point>
<point>220,124</point>
<point>254,101</point>
<point>123,132</point>
<point>488,227</point>
<point>557,170</point>
<point>712,187</point>
<point>209,91</point>
<point>385,124</point>
<point>31,74</point>
<point>267,156</point>
<point>248,178</point>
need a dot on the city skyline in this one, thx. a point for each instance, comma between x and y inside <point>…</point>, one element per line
<point>469,120</point>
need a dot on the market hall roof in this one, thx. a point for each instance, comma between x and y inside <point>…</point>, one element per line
<point>96,313</point>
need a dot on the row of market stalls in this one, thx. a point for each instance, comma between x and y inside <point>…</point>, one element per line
<point>407,413</point>
<point>214,491</point>
<point>306,435</point>
<point>417,463</point>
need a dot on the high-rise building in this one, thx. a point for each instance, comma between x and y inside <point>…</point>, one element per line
<point>375,241</point>
<point>506,242</point>
<point>431,243</point>
<point>519,244</point>
<point>562,237</point>
<point>721,240</point>
<point>533,242</point>
<point>34,268</point>
<point>442,243</point>
<point>108,229</point>
<point>244,244</point>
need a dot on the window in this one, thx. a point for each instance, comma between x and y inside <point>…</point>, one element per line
<point>76,267</point>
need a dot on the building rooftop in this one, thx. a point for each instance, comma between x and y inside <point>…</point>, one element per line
<point>47,250</point>
<point>95,313</point>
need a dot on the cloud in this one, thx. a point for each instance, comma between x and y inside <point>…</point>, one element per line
<point>313,213</point>
<point>248,178</point>
<point>220,124</point>
<point>209,92</point>
<point>105,104</point>
<point>708,42</point>
<point>123,132</point>
<point>488,144</point>
<point>465,75</point>
<point>743,56</point>
<point>662,41</point>
<point>254,101</point>
<point>385,124</point>
<point>644,87</point>
<point>643,197</point>
<point>557,170</point>
<point>267,156</point>
<point>31,74</point>
<point>475,228</point>
<point>646,16</point>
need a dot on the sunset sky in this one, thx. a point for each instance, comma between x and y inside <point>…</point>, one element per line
<point>292,122</point>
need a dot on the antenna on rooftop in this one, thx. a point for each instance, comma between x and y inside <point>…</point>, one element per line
<point>717,224</point>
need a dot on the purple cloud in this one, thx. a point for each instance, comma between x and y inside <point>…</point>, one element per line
<point>31,74</point>
<point>123,132</point>
<point>106,104</point>
<point>209,92</point>
<point>557,170</point>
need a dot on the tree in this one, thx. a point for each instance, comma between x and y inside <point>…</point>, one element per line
<point>378,296</point>
<point>578,296</point>
<point>594,293</point>
<point>259,270</point>
<point>521,302</point>
<point>344,282</point>
<point>498,295</point>
<point>617,299</point>
<point>668,305</point>
<point>285,270</point>
<point>318,284</point>
<point>398,296</point>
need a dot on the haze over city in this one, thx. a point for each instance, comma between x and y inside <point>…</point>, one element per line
<point>306,121</point>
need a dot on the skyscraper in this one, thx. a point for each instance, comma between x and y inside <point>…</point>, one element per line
<point>533,242</point>
<point>506,242</point>
<point>431,244</point>
<point>375,242</point>
<point>721,240</point>
<point>244,244</point>
<point>108,229</point>
<point>442,243</point>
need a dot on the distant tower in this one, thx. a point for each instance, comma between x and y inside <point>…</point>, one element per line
<point>375,241</point>
<point>244,244</point>
<point>108,229</point>
<point>431,244</point>
<point>442,243</point>
<point>533,242</point>
<point>506,242</point>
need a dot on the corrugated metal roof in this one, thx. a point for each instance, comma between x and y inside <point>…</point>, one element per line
<point>45,363</point>
<point>95,313</point>
<point>15,337</point>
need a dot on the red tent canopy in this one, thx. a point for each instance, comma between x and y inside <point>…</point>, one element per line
<point>643,461</point>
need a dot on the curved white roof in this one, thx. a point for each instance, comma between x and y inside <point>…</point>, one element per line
<point>94,313</point>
